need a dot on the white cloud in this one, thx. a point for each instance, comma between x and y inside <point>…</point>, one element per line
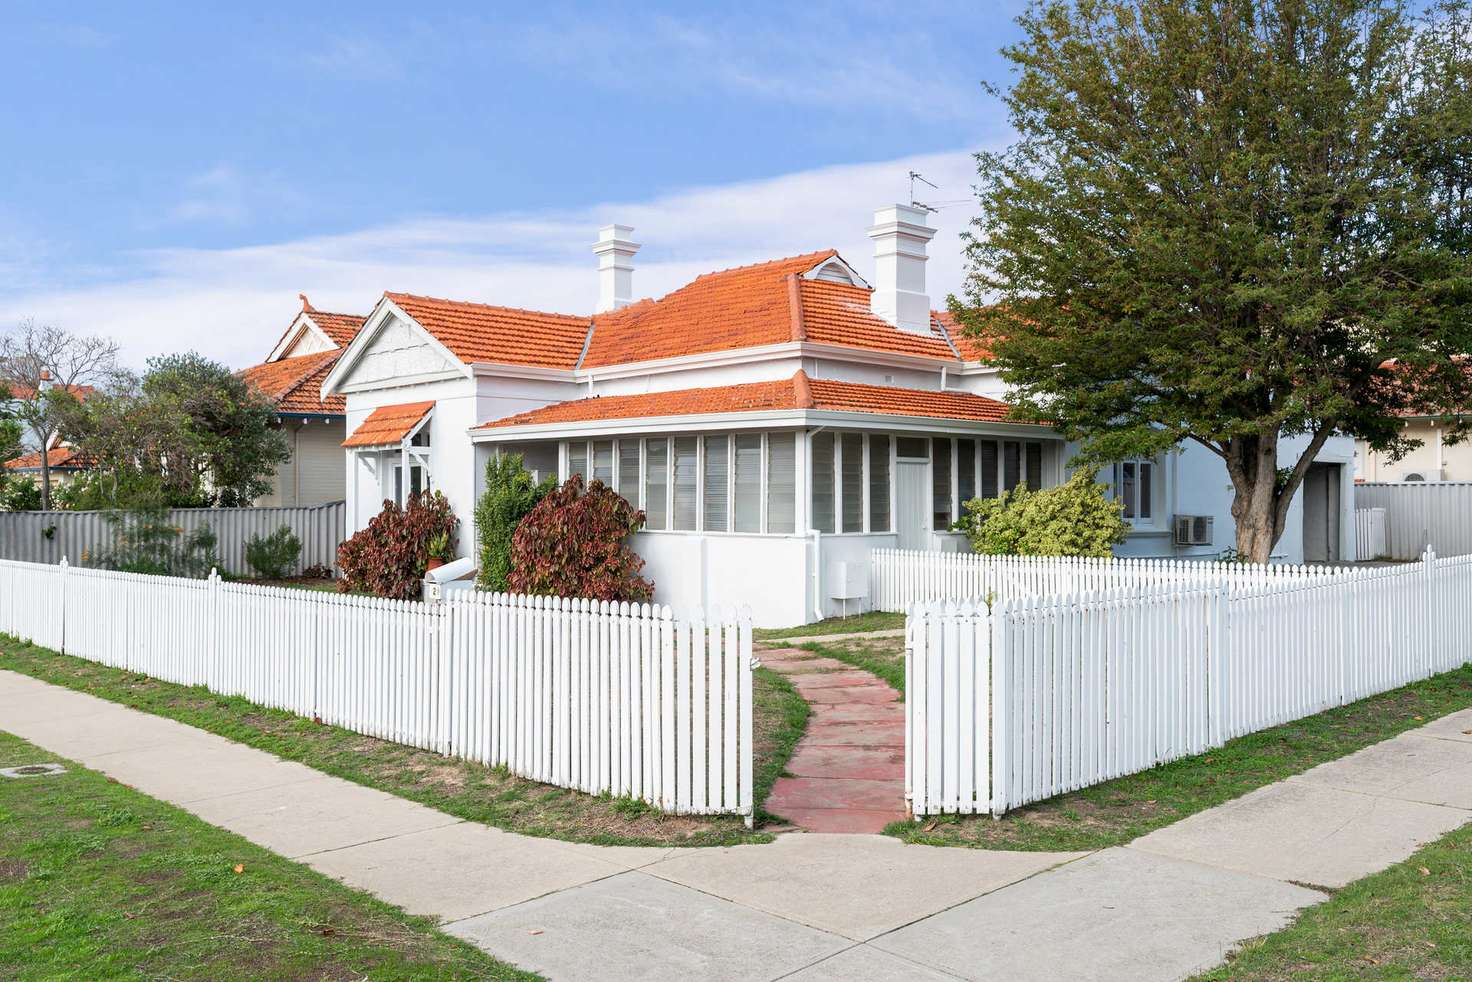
<point>808,59</point>
<point>223,195</point>
<point>231,304</point>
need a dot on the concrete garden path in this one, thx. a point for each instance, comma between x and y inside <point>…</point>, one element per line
<point>806,908</point>
<point>847,773</point>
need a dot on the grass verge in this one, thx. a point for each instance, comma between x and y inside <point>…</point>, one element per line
<point>1117,811</point>
<point>779,719</point>
<point>1410,921</point>
<point>492,796</point>
<point>874,620</point>
<point>100,881</point>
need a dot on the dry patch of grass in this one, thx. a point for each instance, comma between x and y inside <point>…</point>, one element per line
<point>493,796</point>
<point>101,881</point>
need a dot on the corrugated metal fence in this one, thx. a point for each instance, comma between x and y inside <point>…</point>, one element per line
<point>47,536</point>
<point>1435,514</point>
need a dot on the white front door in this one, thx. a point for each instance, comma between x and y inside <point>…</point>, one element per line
<point>912,504</point>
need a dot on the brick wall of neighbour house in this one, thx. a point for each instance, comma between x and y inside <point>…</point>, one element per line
<point>315,472</point>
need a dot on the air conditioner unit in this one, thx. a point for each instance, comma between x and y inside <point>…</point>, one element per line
<point>1192,530</point>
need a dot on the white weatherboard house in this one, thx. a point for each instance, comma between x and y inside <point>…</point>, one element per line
<point>776,422</point>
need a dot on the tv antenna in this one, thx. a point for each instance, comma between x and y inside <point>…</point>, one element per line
<point>917,176</point>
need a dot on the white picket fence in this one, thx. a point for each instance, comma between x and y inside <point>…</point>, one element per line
<point>601,697</point>
<point>1371,533</point>
<point>900,578</point>
<point>1037,696</point>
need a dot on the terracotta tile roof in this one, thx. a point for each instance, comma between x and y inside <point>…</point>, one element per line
<point>341,328</point>
<point>25,393</point>
<point>295,384</point>
<point>971,349</point>
<point>797,392</point>
<point>502,335</point>
<point>387,425</point>
<point>63,457</point>
<point>836,313</point>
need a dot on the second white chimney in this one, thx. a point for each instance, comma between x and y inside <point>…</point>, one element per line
<point>900,233</point>
<point>615,252</point>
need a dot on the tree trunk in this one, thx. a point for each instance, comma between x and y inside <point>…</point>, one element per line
<point>1259,503</point>
<point>45,477</point>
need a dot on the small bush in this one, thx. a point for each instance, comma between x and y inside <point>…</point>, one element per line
<point>572,545</point>
<point>1077,518</point>
<point>388,558</point>
<point>274,556</point>
<point>146,542</point>
<point>508,498</point>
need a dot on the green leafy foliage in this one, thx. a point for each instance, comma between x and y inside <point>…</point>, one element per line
<point>145,541</point>
<point>509,497</point>
<point>1077,518</point>
<point>190,432</point>
<point>389,556</point>
<point>1221,221</point>
<point>572,544</point>
<point>274,556</point>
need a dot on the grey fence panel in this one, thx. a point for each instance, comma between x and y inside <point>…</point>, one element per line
<point>47,536</point>
<point>1418,514</point>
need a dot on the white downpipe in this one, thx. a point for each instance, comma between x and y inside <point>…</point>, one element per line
<point>817,573</point>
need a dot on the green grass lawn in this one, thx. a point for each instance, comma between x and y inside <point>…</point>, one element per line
<point>874,620</point>
<point>1117,811</point>
<point>1411,921</point>
<point>98,881</point>
<point>467,790</point>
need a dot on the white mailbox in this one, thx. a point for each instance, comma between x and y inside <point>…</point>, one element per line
<point>458,574</point>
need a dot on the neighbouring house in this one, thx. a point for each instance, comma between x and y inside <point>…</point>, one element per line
<point>1434,460</point>
<point>312,421</point>
<point>63,460</point>
<point>776,422</point>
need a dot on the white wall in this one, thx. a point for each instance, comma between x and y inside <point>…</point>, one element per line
<point>768,573</point>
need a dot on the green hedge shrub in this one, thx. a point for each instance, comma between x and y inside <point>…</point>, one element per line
<point>274,556</point>
<point>573,545</point>
<point>1077,518</point>
<point>509,497</point>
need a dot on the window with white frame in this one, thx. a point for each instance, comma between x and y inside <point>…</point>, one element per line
<point>744,482</point>
<point>851,482</point>
<point>1134,486</point>
<point>410,468</point>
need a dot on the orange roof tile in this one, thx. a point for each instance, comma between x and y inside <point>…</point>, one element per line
<point>797,392</point>
<point>341,328</point>
<point>836,313</point>
<point>65,457</point>
<point>25,393</point>
<point>971,348</point>
<point>295,384</point>
<point>387,425</point>
<point>504,335</point>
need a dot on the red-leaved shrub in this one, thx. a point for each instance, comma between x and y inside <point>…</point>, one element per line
<point>388,557</point>
<point>572,545</point>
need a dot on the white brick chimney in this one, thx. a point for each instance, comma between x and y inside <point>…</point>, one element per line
<point>615,252</point>
<point>900,233</point>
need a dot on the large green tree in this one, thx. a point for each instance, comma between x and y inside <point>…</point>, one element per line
<point>1231,222</point>
<point>189,432</point>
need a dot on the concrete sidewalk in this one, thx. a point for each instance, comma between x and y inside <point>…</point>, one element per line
<point>807,907</point>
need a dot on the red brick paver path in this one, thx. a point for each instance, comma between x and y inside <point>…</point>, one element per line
<point>848,770</point>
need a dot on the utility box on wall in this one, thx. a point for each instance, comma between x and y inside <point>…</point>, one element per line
<point>848,581</point>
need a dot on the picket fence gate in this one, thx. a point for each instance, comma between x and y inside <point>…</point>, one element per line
<point>600,697</point>
<point>900,578</point>
<point>1029,698</point>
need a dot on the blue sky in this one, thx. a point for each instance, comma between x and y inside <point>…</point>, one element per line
<point>176,173</point>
